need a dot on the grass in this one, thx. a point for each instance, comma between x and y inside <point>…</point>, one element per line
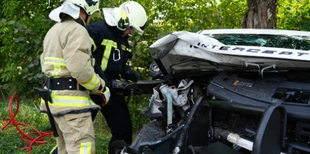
<point>28,113</point>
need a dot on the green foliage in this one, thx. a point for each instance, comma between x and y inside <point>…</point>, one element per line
<point>294,15</point>
<point>21,34</point>
<point>29,113</point>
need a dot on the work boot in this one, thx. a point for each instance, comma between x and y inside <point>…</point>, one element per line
<point>117,146</point>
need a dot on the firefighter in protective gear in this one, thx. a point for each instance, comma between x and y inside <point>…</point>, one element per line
<point>130,15</point>
<point>110,37</point>
<point>66,61</point>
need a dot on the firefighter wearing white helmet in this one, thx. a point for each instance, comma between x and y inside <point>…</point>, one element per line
<point>72,8</point>
<point>110,37</point>
<point>89,6</point>
<point>66,62</point>
<point>131,14</point>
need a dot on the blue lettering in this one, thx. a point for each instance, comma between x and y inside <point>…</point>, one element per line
<point>238,48</point>
<point>253,50</point>
<point>301,54</point>
<point>285,53</point>
<point>269,51</point>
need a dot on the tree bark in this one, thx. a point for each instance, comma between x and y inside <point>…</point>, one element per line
<point>261,14</point>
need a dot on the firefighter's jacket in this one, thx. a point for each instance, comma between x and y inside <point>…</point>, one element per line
<point>67,53</point>
<point>109,53</point>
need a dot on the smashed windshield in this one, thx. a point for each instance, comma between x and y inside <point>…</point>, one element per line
<point>263,40</point>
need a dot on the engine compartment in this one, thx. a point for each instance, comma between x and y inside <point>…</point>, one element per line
<point>204,120</point>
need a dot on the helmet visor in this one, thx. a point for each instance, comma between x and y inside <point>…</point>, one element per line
<point>139,29</point>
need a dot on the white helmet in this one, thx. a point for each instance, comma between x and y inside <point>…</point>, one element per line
<point>72,8</point>
<point>131,14</point>
<point>89,6</point>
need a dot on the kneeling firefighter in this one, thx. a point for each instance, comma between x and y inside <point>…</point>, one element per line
<point>110,37</point>
<point>66,61</point>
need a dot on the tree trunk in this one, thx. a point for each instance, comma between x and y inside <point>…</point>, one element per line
<point>261,14</point>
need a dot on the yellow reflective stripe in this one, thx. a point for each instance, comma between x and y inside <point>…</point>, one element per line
<point>85,148</point>
<point>107,89</point>
<point>54,61</point>
<point>94,44</point>
<point>123,47</point>
<point>107,52</point>
<point>93,61</point>
<point>92,83</point>
<point>58,63</point>
<point>74,101</point>
<point>56,146</point>
<point>107,94</point>
<point>107,42</point>
<point>105,59</point>
<point>124,17</point>
<point>56,71</point>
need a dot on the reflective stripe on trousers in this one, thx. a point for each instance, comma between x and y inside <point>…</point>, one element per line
<point>70,101</point>
<point>85,148</point>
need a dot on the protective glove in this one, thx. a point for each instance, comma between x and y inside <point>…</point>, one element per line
<point>119,84</point>
<point>105,95</point>
<point>131,75</point>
